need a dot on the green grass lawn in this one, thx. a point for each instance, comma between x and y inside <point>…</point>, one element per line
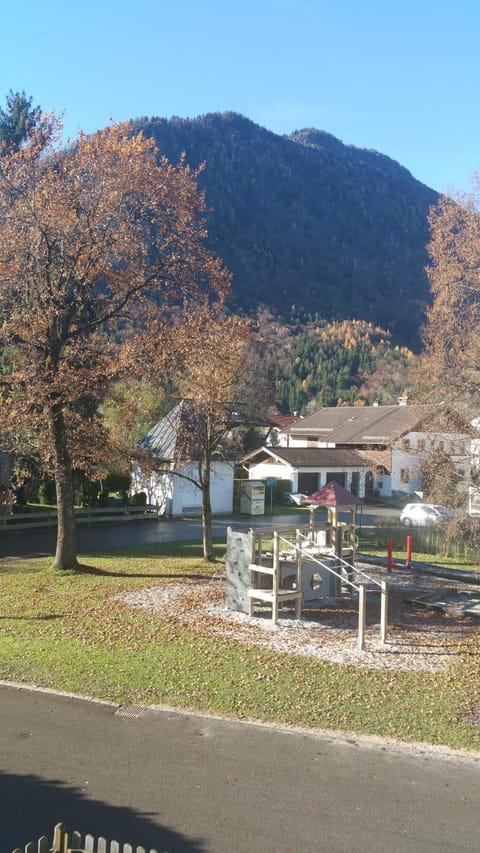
<point>64,631</point>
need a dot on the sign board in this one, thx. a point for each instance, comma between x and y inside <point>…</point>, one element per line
<point>271,482</point>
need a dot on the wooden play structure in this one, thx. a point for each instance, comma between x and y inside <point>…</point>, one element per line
<point>296,566</point>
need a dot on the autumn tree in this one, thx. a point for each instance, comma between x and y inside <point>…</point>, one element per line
<point>216,373</point>
<point>91,235</point>
<point>450,365</point>
<point>441,480</point>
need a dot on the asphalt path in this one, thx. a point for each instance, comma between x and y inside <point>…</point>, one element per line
<point>105,537</point>
<point>195,784</point>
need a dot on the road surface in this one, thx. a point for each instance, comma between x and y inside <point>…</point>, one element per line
<point>194,784</point>
<point>104,537</point>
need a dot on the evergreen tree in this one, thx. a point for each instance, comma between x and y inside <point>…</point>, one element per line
<point>17,119</point>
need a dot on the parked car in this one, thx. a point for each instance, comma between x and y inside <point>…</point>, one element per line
<point>293,498</point>
<point>425,515</point>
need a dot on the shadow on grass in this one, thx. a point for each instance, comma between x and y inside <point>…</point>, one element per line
<point>94,570</point>
<point>44,617</point>
<point>30,806</point>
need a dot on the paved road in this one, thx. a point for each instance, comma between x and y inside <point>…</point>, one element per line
<point>193,784</point>
<point>27,543</point>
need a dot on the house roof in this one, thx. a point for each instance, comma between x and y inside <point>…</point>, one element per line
<point>308,457</point>
<point>364,424</point>
<point>161,440</point>
<point>282,422</point>
<point>333,494</point>
<point>181,432</point>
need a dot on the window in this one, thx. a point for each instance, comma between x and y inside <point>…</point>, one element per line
<point>405,475</point>
<point>406,444</point>
<point>421,445</point>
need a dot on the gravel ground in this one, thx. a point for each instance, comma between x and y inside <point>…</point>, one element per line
<point>417,638</point>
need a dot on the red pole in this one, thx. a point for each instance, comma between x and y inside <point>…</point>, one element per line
<point>389,555</point>
<point>408,561</point>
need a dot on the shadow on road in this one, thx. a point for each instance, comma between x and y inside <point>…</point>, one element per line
<point>30,807</point>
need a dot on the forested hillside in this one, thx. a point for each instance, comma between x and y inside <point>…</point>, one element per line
<point>316,363</point>
<point>308,224</point>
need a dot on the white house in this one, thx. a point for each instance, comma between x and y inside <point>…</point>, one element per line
<point>370,450</point>
<point>170,482</point>
<point>308,469</point>
<point>394,442</point>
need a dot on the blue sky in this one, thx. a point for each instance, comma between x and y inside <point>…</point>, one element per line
<point>399,76</point>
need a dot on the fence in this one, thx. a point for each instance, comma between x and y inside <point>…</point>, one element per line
<point>90,515</point>
<point>63,842</point>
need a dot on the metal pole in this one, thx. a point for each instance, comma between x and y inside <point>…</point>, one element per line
<point>383,612</point>
<point>361,616</point>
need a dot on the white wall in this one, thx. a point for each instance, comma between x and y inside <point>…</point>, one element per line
<point>175,495</point>
<point>421,445</point>
<point>279,470</point>
<point>283,471</point>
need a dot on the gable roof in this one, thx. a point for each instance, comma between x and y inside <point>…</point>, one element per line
<point>308,457</point>
<point>161,440</point>
<point>181,434</point>
<point>364,424</point>
<point>333,494</point>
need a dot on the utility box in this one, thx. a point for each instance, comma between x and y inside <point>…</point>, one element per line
<point>252,497</point>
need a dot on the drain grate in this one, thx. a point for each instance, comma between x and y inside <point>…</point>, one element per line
<point>132,712</point>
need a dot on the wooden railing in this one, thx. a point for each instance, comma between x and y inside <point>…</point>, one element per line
<point>63,842</point>
<point>90,515</point>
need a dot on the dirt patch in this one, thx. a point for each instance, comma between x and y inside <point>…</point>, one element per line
<point>417,638</point>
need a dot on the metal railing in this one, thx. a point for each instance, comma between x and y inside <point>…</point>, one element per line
<point>297,549</point>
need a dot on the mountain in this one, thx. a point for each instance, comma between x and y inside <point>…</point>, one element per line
<point>307,224</point>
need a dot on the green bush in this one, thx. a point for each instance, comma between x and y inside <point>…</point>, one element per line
<point>140,499</point>
<point>117,482</point>
<point>103,497</point>
<point>46,493</point>
<point>85,493</point>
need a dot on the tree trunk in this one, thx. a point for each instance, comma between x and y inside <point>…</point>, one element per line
<point>208,554</point>
<point>65,556</point>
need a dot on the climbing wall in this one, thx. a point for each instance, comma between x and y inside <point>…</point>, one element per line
<point>239,557</point>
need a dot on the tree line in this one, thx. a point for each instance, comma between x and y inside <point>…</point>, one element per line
<point>112,305</point>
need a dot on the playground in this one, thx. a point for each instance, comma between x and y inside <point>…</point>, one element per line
<point>306,592</point>
<point>418,638</point>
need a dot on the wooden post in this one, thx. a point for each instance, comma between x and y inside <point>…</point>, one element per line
<point>383,612</point>
<point>276,576</point>
<point>362,620</point>
<point>389,555</point>
<point>60,839</point>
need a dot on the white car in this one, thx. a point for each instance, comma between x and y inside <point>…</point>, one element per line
<point>425,515</point>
